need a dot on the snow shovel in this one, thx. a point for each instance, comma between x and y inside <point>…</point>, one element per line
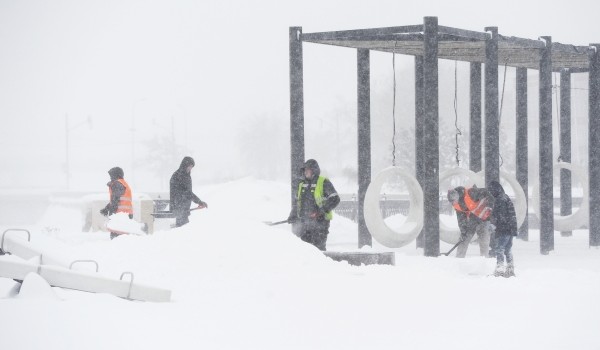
<point>450,251</point>
<point>270,223</point>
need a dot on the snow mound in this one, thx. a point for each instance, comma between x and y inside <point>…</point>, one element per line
<point>121,223</point>
<point>35,287</point>
<point>8,288</point>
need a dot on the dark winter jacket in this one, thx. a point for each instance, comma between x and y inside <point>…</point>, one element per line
<point>503,215</point>
<point>181,195</point>
<point>309,212</point>
<point>116,189</point>
<point>467,223</point>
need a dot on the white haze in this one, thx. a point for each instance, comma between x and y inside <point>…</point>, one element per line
<point>210,79</point>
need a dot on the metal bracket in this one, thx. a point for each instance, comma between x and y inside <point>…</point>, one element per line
<point>546,39</point>
<point>39,267</point>
<point>130,282</point>
<point>86,261</point>
<point>492,32</point>
<point>13,229</point>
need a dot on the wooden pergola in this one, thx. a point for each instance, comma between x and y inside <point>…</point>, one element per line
<point>429,42</point>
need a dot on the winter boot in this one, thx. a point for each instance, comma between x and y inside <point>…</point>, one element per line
<point>510,270</point>
<point>500,271</point>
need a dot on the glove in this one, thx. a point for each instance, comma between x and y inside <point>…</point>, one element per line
<point>202,204</point>
<point>292,219</point>
<point>104,211</point>
<point>317,214</point>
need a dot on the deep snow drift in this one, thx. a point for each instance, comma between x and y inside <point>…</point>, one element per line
<point>239,284</point>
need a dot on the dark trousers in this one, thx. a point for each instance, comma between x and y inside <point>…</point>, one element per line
<point>316,238</point>
<point>503,249</point>
<point>315,232</point>
<point>181,220</point>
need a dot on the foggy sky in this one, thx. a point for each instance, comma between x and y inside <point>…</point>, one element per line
<point>204,73</point>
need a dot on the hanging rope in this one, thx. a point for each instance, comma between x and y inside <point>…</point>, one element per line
<point>555,88</point>
<point>503,86</point>
<point>501,106</point>
<point>394,108</point>
<point>458,132</point>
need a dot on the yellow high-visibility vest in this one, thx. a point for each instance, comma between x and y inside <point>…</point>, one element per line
<point>317,193</point>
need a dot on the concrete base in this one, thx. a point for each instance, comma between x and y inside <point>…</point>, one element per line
<point>143,207</point>
<point>360,258</point>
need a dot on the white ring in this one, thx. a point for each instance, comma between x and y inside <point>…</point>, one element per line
<point>577,219</point>
<point>414,221</point>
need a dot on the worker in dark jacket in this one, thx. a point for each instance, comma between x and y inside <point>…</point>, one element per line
<point>505,220</point>
<point>121,200</point>
<point>315,200</point>
<point>182,196</point>
<point>473,208</point>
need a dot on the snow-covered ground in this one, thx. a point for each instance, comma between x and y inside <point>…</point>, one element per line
<point>239,284</point>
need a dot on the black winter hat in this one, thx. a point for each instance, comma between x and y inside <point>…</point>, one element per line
<point>455,193</point>
<point>495,188</point>
<point>116,173</point>
<point>312,164</point>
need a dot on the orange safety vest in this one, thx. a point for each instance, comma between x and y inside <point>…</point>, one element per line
<point>125,202</point>
<point>478,208</point>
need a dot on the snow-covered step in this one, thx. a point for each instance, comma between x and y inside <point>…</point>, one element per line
<point>84,281</point>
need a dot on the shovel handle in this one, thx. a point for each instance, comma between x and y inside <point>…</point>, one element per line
<point>451,250</point>
<point>277,223</point>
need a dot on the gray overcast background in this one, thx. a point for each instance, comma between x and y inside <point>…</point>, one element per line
<point>143,83</point>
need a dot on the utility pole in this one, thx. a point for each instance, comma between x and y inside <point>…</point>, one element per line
<point>68,129</point>
<point>67,160</point>
<point>133,106</point>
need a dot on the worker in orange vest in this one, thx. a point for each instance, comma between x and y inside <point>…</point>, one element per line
<point>473,208</point>
<point>120,196</point>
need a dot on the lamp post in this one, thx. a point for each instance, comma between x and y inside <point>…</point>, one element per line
<point>133,106</point>
<point>68,129</point>
<point>171,149</point>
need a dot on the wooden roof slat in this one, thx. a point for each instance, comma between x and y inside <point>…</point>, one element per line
<point>463,33</point>
<point>361,32</point>
<point>456,44</point>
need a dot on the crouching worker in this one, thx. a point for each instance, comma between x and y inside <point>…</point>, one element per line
<point>473,208</point>
<point>505,220</point>
<point>120,196</point>
<point>315,200</point>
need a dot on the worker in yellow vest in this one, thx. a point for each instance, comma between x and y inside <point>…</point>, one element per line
<point>315,200</point>
<point>473,208</point>
<point>120,196</point>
